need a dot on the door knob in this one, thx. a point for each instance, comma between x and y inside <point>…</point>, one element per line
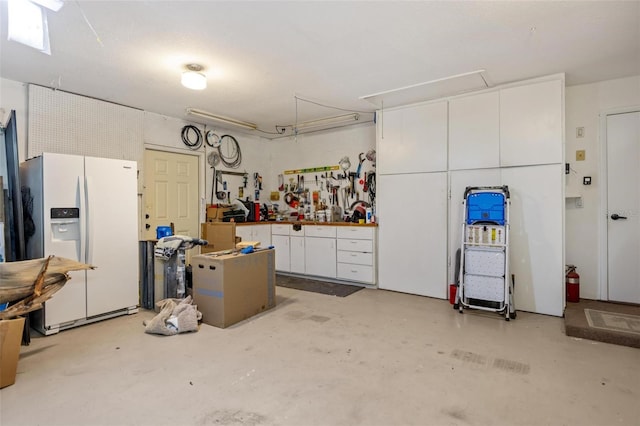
<point>616,216</point>
<point>146,216</point>
<point>147,226</point>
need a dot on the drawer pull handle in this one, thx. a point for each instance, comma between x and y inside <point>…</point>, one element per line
<point>353,255</point>
<point>354,270</point>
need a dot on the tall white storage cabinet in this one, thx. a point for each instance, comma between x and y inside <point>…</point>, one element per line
<point>511,135</point>
<point>412,233</point>
<point>85,209</point>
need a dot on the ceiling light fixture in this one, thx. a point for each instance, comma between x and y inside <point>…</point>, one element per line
<point>226,120</point>
<point>328,121</point>
<point>193,78</point>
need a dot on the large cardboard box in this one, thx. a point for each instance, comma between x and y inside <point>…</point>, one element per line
<point>10,340</point>
<point>230,288</point>
<point>221,236</point>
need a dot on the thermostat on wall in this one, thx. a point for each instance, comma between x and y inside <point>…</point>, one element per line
<point>586,180</point>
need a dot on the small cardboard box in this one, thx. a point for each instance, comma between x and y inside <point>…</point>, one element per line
<point>215,212</point>
<point>10,340</point>
<point>230,288</point>
<point>219,235</point>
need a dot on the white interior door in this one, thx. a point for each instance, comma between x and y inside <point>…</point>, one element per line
<point>623,205</point>
<point>171,188</point>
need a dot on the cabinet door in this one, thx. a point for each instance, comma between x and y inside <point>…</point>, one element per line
<point>412,254</point>
<point>297,255</point>
<point>531,124</point>
<point>262,233</point>
<point>281,244</point>
<point>536,237</point>
<point>413,139</point>
<point>245,232</point>
<point>320,256</point>
<point>474,132</point>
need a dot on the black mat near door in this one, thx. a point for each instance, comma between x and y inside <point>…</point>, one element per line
<point>315,286</point>
<point>603,321</point>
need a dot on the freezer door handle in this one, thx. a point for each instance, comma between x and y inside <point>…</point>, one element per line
<point>82,250</point>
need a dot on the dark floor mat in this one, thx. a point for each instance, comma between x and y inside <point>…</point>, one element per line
<point>315,286</point>
<point>603,321</point>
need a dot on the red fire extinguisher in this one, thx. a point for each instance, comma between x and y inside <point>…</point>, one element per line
<point>573,284</point>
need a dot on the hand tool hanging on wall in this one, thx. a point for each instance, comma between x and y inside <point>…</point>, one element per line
<point>220,195</point>
<point>361,158</point>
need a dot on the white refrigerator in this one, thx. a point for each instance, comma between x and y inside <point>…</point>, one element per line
<point>86,209</point>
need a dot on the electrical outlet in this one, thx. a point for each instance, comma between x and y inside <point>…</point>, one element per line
<point>579,132</point>
<point>580,155</point>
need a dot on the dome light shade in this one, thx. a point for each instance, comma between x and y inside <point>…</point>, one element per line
<point>193,78</point>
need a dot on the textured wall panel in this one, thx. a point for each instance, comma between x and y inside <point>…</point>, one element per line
<point>65,123</point>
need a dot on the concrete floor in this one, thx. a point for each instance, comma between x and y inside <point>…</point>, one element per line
<point>372,358</point>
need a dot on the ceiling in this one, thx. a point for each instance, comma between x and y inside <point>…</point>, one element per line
<point>260,56</point>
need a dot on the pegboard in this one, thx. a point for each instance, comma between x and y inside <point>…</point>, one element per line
<point>66,123</point>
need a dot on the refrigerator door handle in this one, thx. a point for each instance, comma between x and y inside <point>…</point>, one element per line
<point>82,255</point>
<point>89,220</point>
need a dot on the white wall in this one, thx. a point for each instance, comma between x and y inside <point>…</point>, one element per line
<point>319,149</point>
<point>583,104</point>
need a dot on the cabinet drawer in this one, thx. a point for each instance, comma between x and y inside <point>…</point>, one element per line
<point>280,229</point>
<point>320,231</point>
<point>355,257</point>
<point>355,272</point>
<point>356,233</point>
<point>356,245</point>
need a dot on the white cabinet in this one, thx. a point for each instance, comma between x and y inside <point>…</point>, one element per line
<point>531,123</point>
<point>412,139</point>
<point>474,131</point>
<point>297,255</point>
<point>261,233</point>
<point>281,244</point>
<point>356,254</point>
<point>412,254</point>
<point>320,251</point>
<point>536,237</point>
<point>280,240</point>
<point>288,241</point>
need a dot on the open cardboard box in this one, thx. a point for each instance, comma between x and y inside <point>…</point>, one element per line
<point>229,288</point>
<point>10,341</point>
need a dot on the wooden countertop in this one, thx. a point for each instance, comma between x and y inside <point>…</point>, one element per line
<point>308,222</point>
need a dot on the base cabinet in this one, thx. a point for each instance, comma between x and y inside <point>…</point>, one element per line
<point>261,233</point>
<point>281,244</point>
<point>343,253</point>
<point>320,251</point>
<point>356,254</point>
